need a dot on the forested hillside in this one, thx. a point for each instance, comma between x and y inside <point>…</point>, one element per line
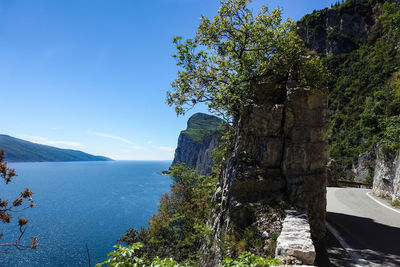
<point>359,41</point>
<point>18,150</point>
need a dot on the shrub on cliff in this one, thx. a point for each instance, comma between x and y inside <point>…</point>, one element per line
<point>179,225</point>
<point>234,51</point>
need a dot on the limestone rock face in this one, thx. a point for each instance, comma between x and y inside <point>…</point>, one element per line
<point>196,143</point>
<point>387,178</point>
<point>396,181</point>
<point>364,172</point>
<point>279,150</point>
<point>294,245</point>
<point>306,154</point>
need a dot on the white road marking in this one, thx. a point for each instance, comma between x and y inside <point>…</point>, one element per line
<point>380,203</point>
<point>352,252</point>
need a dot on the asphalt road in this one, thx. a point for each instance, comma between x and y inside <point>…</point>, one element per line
<point>371,231</point>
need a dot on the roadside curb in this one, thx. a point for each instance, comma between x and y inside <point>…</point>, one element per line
<point>382,204</point>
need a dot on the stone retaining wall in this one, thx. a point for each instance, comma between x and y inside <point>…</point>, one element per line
<point>294,245</point>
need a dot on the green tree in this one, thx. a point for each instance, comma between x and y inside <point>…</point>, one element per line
<point>233,52</point>
<point>179,225</point>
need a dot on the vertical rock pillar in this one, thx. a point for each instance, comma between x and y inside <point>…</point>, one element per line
<point>305,154</point>
<point>279,150</point>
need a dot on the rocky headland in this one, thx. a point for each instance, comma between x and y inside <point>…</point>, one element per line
<point>196,143</point>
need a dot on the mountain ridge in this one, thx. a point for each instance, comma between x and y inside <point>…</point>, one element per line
<point>19,150</point>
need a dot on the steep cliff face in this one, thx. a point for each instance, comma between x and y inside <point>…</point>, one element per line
<point>280,150</point>
<point>339,29</point>
<point>387,178</point>
<point>196,143</point>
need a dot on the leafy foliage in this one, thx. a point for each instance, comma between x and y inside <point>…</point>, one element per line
<point>364,91</point>
<point>251,260</point>
<point>178,227</point>
<point>126,257</point>
<point>233,52</point>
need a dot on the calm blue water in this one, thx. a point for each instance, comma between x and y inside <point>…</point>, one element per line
<point>82,203</point>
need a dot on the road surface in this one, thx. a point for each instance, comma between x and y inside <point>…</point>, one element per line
<point>371,230</point>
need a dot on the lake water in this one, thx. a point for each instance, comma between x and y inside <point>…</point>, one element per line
<point>79,203</point>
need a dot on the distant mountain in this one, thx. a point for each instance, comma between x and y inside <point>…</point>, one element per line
<point>196,143</point>
<point>18,150</point>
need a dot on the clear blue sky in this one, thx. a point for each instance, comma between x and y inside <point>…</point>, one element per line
<point>92,75</point>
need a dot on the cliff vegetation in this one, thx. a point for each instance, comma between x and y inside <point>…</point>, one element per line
<point>201,125</point>
<point>359,41</point>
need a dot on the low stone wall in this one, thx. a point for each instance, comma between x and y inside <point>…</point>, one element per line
<point>294,245</point>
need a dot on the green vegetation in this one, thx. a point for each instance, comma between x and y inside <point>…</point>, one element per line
<point>178,227</point>
<point>177,230</point>
<point>125,257</point>
<point>251,260</point>
<point>235,51</point>
<point>364,92</point>
<point>266,217</point>
<point>202,125</point>
<point>17,150</point>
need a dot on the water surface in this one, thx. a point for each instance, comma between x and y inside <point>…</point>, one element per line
<point>81,203</point>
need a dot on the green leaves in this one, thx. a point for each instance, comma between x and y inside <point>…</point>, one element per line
<point>234,51</point>
<point>250,260</point>
<point>364,96</point>
<point>125,257</point>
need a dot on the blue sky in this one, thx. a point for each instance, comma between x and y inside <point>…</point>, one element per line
<point>92,75</point>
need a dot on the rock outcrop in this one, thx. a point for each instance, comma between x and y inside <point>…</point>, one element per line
<point>387,178</point>
<point>196,143</point>
<point>337,30</point>
<point>280,150</point>
<point>364,171</point>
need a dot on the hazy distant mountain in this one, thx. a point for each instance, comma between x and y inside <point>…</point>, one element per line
<point>18,150</point>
